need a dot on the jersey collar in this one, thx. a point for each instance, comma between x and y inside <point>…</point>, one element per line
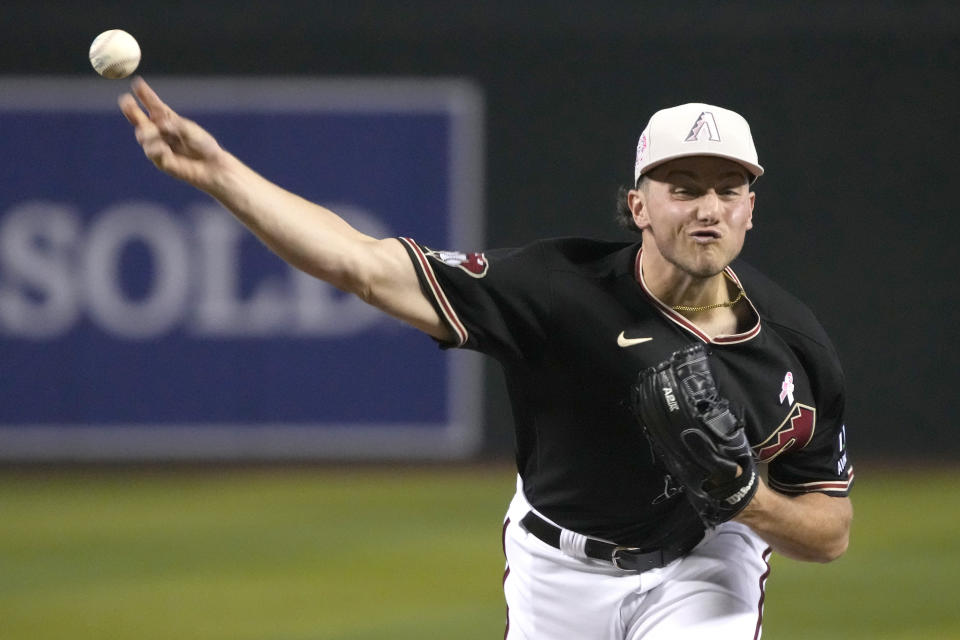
<point>685,323</point>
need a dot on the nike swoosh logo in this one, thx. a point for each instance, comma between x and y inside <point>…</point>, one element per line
<point>624,341</point>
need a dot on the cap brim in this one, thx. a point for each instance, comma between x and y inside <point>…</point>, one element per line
<point>754,170</point>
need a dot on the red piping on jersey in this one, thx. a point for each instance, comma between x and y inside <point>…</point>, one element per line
<point>506,572</point>
<point>450,315</point>
<point>826,486</point>
<point>679,319</point>
<point>763,593</point>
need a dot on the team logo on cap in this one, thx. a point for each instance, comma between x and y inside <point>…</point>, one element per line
<point>705,124</point>
<point>473,263</point>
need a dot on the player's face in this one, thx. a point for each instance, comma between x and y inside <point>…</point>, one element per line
<point>697,211</point>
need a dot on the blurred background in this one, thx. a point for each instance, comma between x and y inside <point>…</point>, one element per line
<point>852,106</point>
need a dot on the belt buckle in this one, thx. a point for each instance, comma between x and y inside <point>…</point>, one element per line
<point>614,558</point>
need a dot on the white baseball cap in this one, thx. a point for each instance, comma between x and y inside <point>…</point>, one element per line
<point>695,129</point>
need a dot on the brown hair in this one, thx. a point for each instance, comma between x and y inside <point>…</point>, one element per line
<point>624,217</point>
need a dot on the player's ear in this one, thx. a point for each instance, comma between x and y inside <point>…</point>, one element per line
<point>753,200</point>
<point>637,203</point>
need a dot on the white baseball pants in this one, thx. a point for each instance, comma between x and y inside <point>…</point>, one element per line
<point>715,592</point>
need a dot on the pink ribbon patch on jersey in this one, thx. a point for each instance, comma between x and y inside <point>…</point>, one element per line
<point>786,388</point>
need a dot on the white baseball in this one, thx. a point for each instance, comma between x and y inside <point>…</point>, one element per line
<point>115,54</point>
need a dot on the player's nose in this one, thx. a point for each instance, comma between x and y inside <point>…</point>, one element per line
<point>708,207</point>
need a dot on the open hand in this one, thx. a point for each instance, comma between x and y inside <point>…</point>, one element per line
<point>176,145</point>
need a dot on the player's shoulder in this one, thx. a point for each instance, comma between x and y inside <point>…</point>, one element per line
<point>526,262</point>
<point>780,308</point>
<point>786,316</point>
<point>585,256</point>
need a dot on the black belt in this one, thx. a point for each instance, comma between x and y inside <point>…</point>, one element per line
<point>626,558</point>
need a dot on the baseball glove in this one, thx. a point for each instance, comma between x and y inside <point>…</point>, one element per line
<point>696,435</point>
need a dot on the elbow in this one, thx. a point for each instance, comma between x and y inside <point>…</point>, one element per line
<point>835,550</point>
<point>355,278</point>
<point>370,273</point>
<point>833,537</point>
<point>823,552</point>
<point>840,541</point>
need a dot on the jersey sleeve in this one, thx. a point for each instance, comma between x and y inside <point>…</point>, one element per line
<point>823,465</point>
<point>494,302</point>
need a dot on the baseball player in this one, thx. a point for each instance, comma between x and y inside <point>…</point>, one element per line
<point>678,415</point>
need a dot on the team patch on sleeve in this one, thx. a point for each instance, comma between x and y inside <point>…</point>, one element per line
<point>474,264</point>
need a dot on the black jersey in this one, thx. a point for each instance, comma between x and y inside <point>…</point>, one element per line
<point>572,323</point>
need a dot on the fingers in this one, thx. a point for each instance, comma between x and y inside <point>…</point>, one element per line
<point>150,123</point>
<point>147,133</point>
<point>174,144</point>
<point>156,107</point>
<point>131,110</point>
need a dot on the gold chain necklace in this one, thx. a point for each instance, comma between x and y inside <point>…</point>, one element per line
<point>717,305</point>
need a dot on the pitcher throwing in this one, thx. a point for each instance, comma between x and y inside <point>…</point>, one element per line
<point>678,416</point>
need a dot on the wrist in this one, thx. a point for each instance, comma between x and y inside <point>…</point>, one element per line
<point>753,511</point>
<point>227,176</point>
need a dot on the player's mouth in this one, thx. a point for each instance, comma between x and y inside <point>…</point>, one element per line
<point>704,236</point>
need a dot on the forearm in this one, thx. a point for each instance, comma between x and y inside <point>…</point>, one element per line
<point>303,233</point>
<point>319,242</point>
<point>306,235</point>
<point>811,527</point>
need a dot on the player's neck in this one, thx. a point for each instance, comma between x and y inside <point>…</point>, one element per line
<point>716,304</point>
<point>676,287</point>
<point>723,321</point>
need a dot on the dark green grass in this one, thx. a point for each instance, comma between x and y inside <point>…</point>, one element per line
<point>310,554</point>
<point>900,579</point>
